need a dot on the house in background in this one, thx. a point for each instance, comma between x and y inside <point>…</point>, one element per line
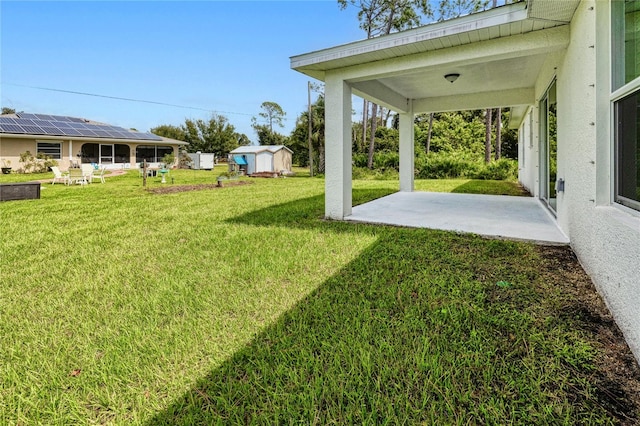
<point>252,159</point>
<point>569,70</point>
<point>72,141</point>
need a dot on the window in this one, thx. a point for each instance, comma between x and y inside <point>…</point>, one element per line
<point>627,152</point>
<point>152,153</point>
<point>626,40</point>
<point>626,80</point>
<point>52,149</point>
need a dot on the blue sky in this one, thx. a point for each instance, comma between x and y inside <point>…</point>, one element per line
<point>220,56</point>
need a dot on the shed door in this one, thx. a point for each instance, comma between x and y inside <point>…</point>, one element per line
<point>264,162</point>
<point>251,163</point>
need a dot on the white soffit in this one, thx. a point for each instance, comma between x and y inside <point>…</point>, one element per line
<point>552,10</point>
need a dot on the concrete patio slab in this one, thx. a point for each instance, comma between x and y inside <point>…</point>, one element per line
<point>498,216</point>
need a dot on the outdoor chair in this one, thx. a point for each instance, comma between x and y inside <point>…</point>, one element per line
<point>59,176</point>
<point>87,172</point>
<point>99,176</point>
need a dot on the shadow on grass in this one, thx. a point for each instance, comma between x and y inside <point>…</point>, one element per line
<point>304,213</point>
<point>412,330</point>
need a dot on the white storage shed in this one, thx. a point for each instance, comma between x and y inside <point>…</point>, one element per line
<point>261,158</point>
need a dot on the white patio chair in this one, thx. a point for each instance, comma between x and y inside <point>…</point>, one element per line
<point>87,172</point>
<point>58,176</point>
<point>99,176</point>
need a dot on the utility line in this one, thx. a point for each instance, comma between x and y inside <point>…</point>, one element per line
<point>125,99</point>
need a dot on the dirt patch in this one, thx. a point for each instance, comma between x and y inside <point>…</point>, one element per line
<point>616,378</point>
<point>185,188</point>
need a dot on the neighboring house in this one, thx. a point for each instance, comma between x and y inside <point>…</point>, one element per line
<point>71,141</point>
<point>261,158</point>
<point>570,63</point>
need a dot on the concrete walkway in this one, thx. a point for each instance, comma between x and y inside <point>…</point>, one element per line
<point>498,216</point>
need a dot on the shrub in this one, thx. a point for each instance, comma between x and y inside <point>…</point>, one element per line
<point>445,166</point>
<point>503,169</point>
<point>386,160</point>
<point>382,160</point>
<point>363,173</point>
<point>39,163</point>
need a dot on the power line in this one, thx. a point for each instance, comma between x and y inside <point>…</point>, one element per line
<point>96,95</point>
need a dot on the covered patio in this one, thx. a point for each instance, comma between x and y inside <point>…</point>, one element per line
<point>487,60</point>
<point>497,216</point>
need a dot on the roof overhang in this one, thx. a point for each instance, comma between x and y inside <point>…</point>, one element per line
<point>497,53</point>
<point>164,141</point>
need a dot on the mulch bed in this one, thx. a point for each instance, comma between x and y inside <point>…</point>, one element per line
<point>616,377</point>
<point>185,188</point>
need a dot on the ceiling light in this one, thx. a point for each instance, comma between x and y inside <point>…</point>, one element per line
<point>452,77</point>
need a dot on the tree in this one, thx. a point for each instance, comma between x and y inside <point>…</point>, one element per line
<point>381,17</point>
<point>498,133</point>
<point>7,110</point>
<point>487,138</point>
<point>449,9</point>
<point>169,131</point>
<point>214,135</point>
<point>272,113</point>
<point>298,141</point>
<point>219,135</point>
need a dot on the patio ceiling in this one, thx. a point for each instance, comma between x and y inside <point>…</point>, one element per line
<point>498,54</point>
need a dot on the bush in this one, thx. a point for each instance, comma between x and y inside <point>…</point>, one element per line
<point>39,163</point>
<point>503,169</point>
<point>386,160</point>
<point>445,166</point>
<point>363,173</point>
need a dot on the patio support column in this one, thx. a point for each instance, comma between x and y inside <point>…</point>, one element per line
<point>407,154</point>
<point>337,198</point>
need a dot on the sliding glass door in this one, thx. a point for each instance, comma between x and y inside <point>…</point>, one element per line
<point>549,147</point>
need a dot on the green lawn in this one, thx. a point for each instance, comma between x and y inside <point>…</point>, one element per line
<point>242,305</point>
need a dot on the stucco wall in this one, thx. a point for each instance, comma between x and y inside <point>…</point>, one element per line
<point>605,237</point>
<point>11,148</point>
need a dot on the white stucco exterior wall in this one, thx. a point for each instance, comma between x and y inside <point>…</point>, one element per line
<point>604,236</point>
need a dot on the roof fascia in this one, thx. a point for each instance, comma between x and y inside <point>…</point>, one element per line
<point>87,139</point>
<point>494,17</point>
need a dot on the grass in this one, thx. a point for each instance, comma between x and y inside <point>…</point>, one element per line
<point>242,305</point>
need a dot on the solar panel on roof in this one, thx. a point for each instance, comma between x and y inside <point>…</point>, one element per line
<point>41,122</point>
<point>69,131</point>
<point>60,118</point>
<point>33,129</point>
<point>23,121</point>
<point>43,116</point>
<point>62,124</point>
<point>25,115</point>
<point>89,133</point>
<point>53,131</point>
<point>12,128</point>
<point>77,125</point>
<point>76,120</point>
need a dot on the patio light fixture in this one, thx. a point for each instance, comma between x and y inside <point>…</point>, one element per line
<point>452,77</point>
